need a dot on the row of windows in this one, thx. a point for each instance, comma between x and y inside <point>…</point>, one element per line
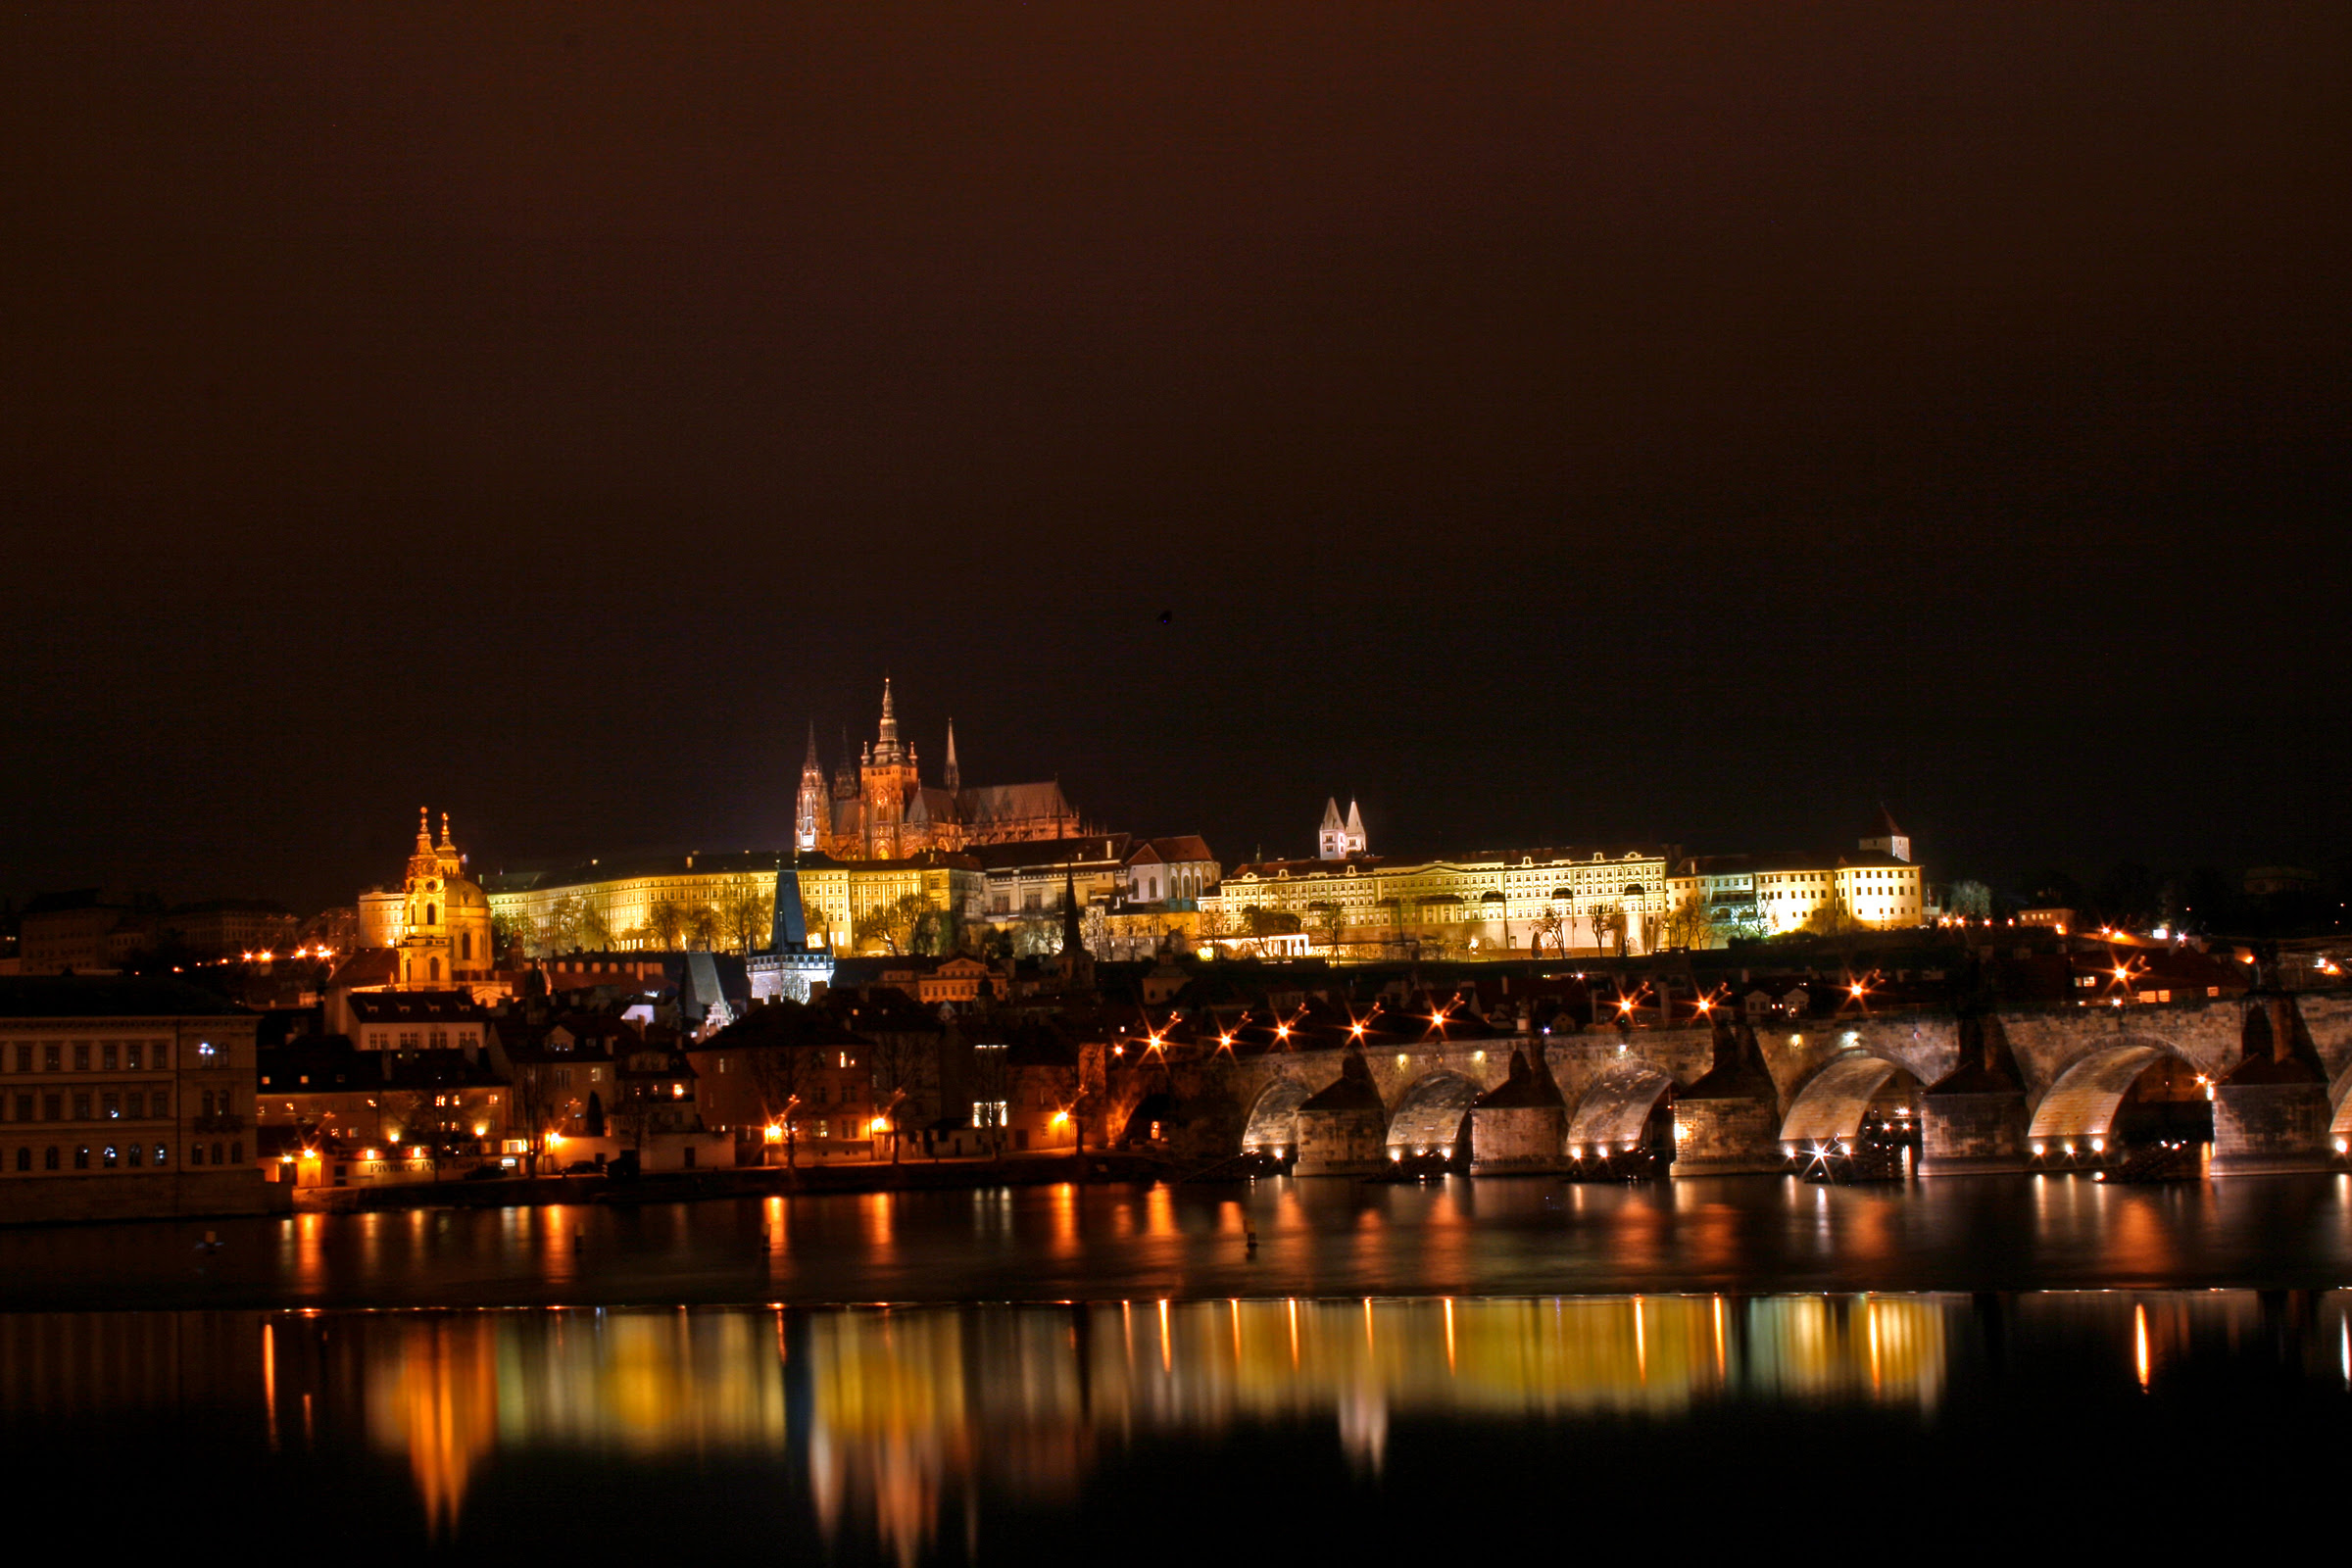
<point>101,1056</point>
<point>121,1157</point>
<point>108,1105</point>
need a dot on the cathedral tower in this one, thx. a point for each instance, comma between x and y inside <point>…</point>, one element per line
<point>886,781</point>
<point>952,778</point>
<point>810,811</point>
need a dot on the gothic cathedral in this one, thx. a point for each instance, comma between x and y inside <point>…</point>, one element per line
<point>883,810</point>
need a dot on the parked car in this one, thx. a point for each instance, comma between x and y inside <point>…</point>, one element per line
<point>486,1173</point>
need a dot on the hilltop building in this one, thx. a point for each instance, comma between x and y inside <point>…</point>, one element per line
<point>1490,903</point>
<point>883,810</point>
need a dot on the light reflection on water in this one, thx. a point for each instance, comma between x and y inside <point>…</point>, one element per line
<point>886,1417</point>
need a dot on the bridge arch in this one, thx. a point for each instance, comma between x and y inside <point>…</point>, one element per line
<point>1273,1124</point>
<point>2081,1104</point>
<point>1616,1107</point>
<point>2339,1125</point>
<point>1830,1110</point>
<point>1433,1116</point>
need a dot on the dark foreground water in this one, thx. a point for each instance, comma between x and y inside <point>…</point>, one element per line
<point>1379,1430</point>
<point>1466,1369</point>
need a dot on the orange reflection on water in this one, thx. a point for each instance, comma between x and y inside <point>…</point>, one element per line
<point>436,1399</point>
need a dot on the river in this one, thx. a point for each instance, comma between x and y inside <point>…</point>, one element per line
<point>2033,1364</point>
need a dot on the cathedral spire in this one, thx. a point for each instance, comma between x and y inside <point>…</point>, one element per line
<point>887,750</point>
<point>424,830</point>
<point>445,843</point>
<point>952,777</point>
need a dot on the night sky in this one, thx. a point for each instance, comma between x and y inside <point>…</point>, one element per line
<point>1558,422</point>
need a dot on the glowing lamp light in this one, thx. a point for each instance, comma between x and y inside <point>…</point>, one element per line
<point>2038,1149</point>
<point>1576,1151</point>
<point>773,1133</point>
<point>1855,988</point>
<point>1395,1153</point>
<point>880,1124</point>
<point>1062,1118</point>
<point>554,1141</point>
<point>2098,1145</point>
<point>2343,1145</point>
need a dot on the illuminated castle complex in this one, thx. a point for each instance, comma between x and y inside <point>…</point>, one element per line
<point>882,810</point>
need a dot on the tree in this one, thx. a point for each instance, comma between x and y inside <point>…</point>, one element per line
<point>2128,897</point>
<point>781,1077</point>
<point>746,906</point>
<point>891,924</point>
<point>1608,926</point>
<point>906,1066</point>
<point>705,929</point>
<point>1036,935</point>
<point>1547,923</point>
<point>1691,923</point>
<point>1330,923</point>
<point>513,938</point>
<point>590,930</point>
<point>665,923</point>
<point>1831,917</point>
<point>559,930</point>
<point>1971,899</point>
<point>534,1106</point>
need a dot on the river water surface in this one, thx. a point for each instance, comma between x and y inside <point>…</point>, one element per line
<point>2026,1365</point>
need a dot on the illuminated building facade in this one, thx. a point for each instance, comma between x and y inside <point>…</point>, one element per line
<point>1534,900</point>
<point>836,897</point>
<point>883,810</point>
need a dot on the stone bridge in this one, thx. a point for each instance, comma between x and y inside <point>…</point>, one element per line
<point>2005,1092</point>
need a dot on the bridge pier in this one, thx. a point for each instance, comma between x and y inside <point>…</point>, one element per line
<point>1520,1126</point>
<point>1729,1122</point>
<point>2272,1113</point>
<point>2260,1127</point>
<point>1344,1130</point>
<point>1972,1121</point>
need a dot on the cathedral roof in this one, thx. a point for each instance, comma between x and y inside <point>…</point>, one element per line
<point>986,804</point>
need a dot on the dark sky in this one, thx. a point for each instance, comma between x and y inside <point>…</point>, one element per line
<point>1547,423</point>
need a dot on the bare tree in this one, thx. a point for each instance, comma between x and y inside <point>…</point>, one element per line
<point>665,923</point>
<point>1609,927</point>
<point>1331,923</point>
<point>746,906</point>
<point>782,1077</point>
<point>590,930</point>
<point>1547,923</point>
<point>1691,923</point>
<point>705,928</point>
<point>534,1107</point>
<point>905,1068</point>
<point>890,924</point>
